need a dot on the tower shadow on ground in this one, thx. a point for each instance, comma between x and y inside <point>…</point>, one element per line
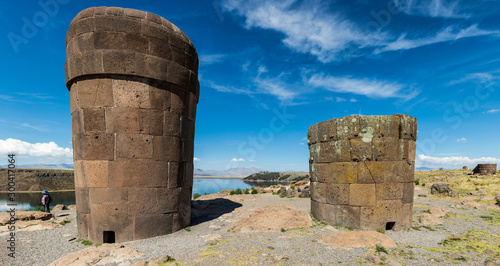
<point>207,210</point>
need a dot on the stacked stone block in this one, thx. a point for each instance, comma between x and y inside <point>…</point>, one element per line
<point>362,170</point>
<point>485,169</point>
<point>133,84</point>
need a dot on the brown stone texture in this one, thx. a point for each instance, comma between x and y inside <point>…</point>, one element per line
<point>362,171</point>
<point>485,169</point>
<point>133,82</point>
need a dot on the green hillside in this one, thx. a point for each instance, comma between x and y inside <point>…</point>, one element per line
<point>277,176</point>
<point>39,179</point>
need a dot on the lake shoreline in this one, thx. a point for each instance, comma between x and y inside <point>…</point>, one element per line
<point>218,177</point>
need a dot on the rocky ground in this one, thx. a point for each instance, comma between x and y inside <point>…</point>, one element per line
<point>269,229</point>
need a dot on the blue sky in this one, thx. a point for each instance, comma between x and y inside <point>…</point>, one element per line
<point>270,69</point>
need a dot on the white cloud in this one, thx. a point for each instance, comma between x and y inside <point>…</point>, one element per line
<point>237,160</point>
<point>480,77</point>
<point>450,33</point>
<point>492,111</point>
<point>307,28</point>
<point>462,140</point>
<point>369,87</point>
<point>274,86</point>
<point>44,151</point>
<point>453,162</point>
<point>311,28</point>
<point>196,159</point>
<point>209,59</point>
<point>302,143</point>
<point>352,100</point>
<point>339,99</point>
<point>430,8</point>
<point>253,161</point>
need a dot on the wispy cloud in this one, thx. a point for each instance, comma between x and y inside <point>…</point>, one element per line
<point>210,59</point>
<point>307,28</point>
<point>479,77</point>
<point>452,162</point>
<point>37,128</point>
<point>310,27</point>
<point>450,33</point>
<point>275,86</point>
<point>196,159</point>
<point>41,150</point>
<point>262,84</point>
<point>237,160</point>
<point>40,96</point>
<point>492,111</point>
<point>368,87</point>
<point>462,140</point>
<point>431,8</point>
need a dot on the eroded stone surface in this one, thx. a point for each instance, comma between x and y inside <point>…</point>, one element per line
<point>134,88</point>
<point>362,171</point>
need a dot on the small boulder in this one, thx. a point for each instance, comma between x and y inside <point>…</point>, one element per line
<point>455,237</point>
<point>438,211</point>
<point>212,237</point>
<point>58,207</point>
<point>471,203</point>
<point>374,259</point>
<point>443,189</point>
<point>305,192</point>
<point>72,207</point>
<point>428,219</point>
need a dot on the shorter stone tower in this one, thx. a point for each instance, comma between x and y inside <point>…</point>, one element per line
<point>362,170</point>
<point>485,169</point>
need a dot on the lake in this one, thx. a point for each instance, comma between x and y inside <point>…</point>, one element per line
<point>29,201</point>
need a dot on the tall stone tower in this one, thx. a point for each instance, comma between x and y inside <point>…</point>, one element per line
<point>133,82</point>
<point>362,170</point>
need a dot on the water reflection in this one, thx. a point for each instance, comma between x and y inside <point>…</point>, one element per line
<point>29,201</point>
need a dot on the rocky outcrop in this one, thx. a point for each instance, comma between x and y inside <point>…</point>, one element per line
<point>443,189</point>
<point>438,211</point>
<point>102,255</point>
<point>273,219</point>
<point>59,207</point>
<point>427,219</point>
<point>21,215</point>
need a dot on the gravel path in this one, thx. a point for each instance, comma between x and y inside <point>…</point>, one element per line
<point>196,246</point>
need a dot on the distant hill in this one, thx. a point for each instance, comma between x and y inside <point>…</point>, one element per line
<point>39,179</point>
<point>278,176</point>
<point>62,166</point>
<point>424,169</point>
<point>239,171</point>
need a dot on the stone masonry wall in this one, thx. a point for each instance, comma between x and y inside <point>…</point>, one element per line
<point>362,170</point>
<point>485,169</point>
<point>133,84</point>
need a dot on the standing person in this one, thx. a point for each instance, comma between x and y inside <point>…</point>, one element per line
<point>46,200</point>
